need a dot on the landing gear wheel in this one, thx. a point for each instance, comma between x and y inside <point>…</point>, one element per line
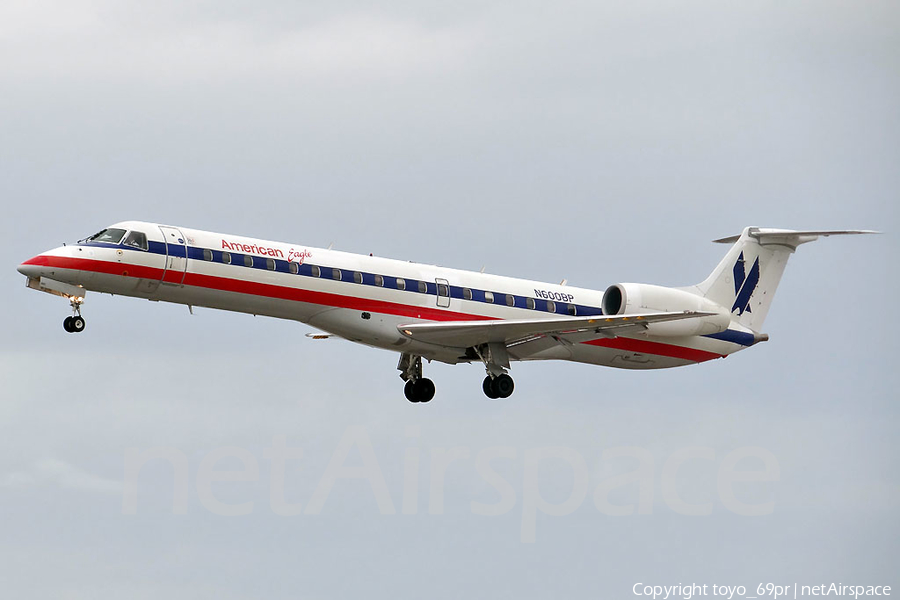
<point>417,388</point>
<point>423,390</point>
<point>504,385</point>
<point>77,324</point>
<point>501,386</point>
<point>408,391</point>
<point>488,388</point>
<point>67,324</point>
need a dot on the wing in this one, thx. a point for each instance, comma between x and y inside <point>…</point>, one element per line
<point>463,334</point>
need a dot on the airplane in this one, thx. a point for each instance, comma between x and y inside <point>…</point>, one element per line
<point>428,312</point>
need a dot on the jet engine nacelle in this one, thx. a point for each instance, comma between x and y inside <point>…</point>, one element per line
<point>629,298</point>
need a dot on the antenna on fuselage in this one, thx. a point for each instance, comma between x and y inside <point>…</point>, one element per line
<point>482,268</point>
<point>564,282</point>
<point>331,245</point>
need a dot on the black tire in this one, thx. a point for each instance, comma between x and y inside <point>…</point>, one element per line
<point>424,390</point>
<point>77,324</point>
<point>488,388</point>
<point>67,324</point>
<point>408,391</point>
<point>503,386</point>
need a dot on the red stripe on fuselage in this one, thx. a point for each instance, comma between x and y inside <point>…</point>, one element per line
<point>268,290</point>
<point>657,348</point>
<point>96,266</point>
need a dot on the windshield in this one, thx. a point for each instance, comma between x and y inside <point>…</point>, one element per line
<point>109,236</point>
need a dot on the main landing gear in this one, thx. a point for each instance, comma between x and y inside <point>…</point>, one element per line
<point>419,391</point>
<point>417,388</point>
<point>497,384</point>
<point>75,323</point>
<point>501,386</point>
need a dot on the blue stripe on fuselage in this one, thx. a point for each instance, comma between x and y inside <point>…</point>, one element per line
<point>733,336</point>
<point>305,269</point>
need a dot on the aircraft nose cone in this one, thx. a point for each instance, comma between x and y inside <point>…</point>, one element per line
<point>30,268</point>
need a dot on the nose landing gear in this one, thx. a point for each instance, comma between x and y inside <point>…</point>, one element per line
<point>75,323</point>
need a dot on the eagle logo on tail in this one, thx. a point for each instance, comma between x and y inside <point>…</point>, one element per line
<point>744,284</point>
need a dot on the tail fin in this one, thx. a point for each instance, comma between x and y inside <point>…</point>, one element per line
<point>745,280</point>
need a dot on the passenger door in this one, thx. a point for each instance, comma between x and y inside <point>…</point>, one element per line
<point>176,256</point>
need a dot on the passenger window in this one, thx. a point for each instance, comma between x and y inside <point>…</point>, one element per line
<point>423,287</point>
<point>226,258</point>
<point>336,274</point>
<point>207,254</point>
<point>293,267</point>
<point>357,277</point>
<point>270,264</point>
<point>248,260</point>
<point>489,297</point>
<point>136,239</point>
<point>467,294</point>
<point>379,281</point>
<point>551,306</point>
<point>401,284</point>
<point>443,289</point>
<point>570,308</point>
<point>529,302</point>
<point>510,300</point>
<point>316,272</point>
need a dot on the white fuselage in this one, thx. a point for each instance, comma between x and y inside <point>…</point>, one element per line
<point>357,297</point>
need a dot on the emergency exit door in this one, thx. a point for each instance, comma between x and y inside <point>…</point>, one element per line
<point>443,293</point>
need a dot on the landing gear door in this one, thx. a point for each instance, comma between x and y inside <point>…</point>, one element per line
<point>176,256</point>
<point>443,293</point>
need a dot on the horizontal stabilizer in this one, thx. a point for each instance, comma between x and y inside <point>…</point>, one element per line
<point>464,334</point>
<point>790,237</point>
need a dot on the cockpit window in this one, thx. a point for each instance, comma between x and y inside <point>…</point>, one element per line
<point>109,236</point>
<point>136,239</point>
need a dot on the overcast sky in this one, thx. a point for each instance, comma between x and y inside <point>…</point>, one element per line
<point>595,141</point>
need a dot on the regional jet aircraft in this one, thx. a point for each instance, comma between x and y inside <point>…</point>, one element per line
<point>424,311</point>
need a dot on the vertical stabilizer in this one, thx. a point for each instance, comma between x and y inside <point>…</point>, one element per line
<point>746,279</point>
